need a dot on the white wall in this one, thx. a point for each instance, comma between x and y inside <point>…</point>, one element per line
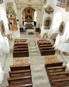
<point>45,15</point>
<point>62,16</point>
<point>3,17</point>
<point>15,34</point>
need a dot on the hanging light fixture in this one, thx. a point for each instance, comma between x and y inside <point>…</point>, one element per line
<point>29,0</point>
<point>1,1</point>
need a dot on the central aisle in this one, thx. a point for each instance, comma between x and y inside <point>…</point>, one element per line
<point>39,75</point>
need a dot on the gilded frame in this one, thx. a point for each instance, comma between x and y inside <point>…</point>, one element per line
<point>67,5</point>
<point>47,23</point>
<point>61,28</point>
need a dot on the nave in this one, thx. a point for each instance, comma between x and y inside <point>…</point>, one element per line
<point>34,43</point>
<point>36,73</point>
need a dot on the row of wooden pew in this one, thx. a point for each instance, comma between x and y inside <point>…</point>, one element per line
<point>45,48</point>
<point>20,76</point>
<point>20,48</point>
<point>58,75</point>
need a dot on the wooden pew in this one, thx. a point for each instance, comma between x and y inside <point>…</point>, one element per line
<point>66,73</point>
<point>26,85</point>
<point>58,77</point>
<point>20,39</point>
<point>59,80</point>
<point>21,54</point>
<point>20,76</point>
<point>46,48</point>
<point>56,64</point>
<point>21,67</point>
<point>20,73</point>
<point>20,80</point>
<point>20,49</point>
<point>56,69</point>
<point>45,45</point>
<point>47,52</point>
<point>21,46</point>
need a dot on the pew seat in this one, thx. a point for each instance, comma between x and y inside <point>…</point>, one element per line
<point>20,49</point>
<point>46,48</point>
<point>20,80</point>
<point>20,39</point>
<point>21,54</point>
<point>56,64</point>
<point>17,44</point>
<point>59,80</point>
<point>23,46</point>
<point>26,85</point>
<point>56,67</point>
<point>47,52</point>
<point>45,45</point>
<point>20,73</point>
<point>21,67</point>
<point>59,73</point>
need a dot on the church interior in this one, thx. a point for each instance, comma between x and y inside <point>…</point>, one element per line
<point>34,43</point>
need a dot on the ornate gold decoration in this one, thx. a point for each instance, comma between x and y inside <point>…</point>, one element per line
<point>53,37</point>
<point>45,1</point>
<point>2,27</point>
<point>10,11</point>
<point>61,28</point>
<point>47,23</point>
<point>49,9</point>
<point>11,14</point>
<point>29,0</point>
<point>1,1</point>
<point>29,14</point>
<point>67,5</point>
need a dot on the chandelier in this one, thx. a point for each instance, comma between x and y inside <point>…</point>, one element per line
<point>29,0</point>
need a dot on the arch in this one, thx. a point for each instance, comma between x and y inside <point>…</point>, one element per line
<point>28,14</point>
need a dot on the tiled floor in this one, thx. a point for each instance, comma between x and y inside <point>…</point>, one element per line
<point>39,75</point>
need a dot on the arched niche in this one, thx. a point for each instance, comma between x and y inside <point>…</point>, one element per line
<point>28,14</point>
<point>2,27</point>
<point>61,28</point>
<point>47,23</point>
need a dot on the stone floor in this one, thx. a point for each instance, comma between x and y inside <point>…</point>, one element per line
<point>39,75</point>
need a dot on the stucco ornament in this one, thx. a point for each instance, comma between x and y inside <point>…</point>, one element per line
<point>67,5</point>
<point>49,9</point>
<point>61,28</point>
<point>47,23</point>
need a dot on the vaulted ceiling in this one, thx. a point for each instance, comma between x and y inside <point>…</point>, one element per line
<point>32,3</point>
